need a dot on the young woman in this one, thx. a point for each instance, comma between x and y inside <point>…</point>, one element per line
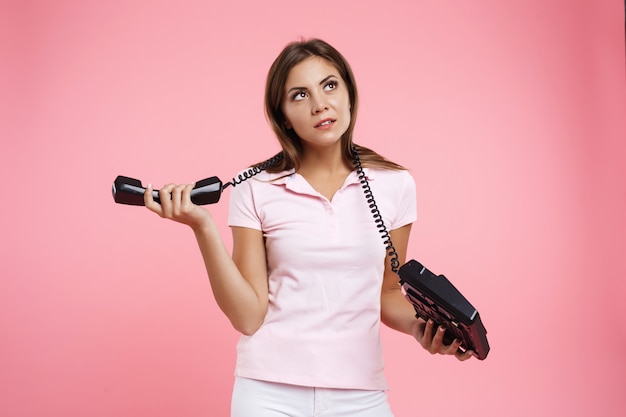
<point>309,279</point>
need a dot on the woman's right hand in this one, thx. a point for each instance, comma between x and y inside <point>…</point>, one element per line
<point>176,205</point>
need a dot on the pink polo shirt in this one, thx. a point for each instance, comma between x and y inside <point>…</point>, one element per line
<point>325,265</point>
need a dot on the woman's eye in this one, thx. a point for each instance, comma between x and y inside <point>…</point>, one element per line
<point>331,85</point>
<point>300,95</point>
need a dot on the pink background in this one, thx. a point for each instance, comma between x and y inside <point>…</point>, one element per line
<point>510,115</point>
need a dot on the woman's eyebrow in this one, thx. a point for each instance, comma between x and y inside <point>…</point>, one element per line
<point>304,88</point>
<point>328,78</point>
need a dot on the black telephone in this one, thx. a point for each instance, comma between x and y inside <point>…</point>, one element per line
<point>433,297</point>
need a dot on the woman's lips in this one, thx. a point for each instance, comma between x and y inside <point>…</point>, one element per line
<point>325,124</point>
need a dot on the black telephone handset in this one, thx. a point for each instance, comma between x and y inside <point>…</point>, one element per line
<point>129,191</point>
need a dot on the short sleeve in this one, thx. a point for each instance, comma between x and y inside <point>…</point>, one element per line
<point>406,208</point>
<point>242,209</point>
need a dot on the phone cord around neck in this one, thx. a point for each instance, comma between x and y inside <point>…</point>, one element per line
<point>378,219</point>
<point>251,172</point>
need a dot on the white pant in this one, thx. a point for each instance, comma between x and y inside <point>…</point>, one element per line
<point>254,398</point>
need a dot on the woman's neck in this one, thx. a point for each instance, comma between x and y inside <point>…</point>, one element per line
<point>324,162</point>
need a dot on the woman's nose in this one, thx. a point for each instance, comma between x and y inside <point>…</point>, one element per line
<point>319,105</point>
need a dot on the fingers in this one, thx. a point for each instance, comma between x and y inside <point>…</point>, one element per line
<point>168,200</point>
<point>185,198</point>
<point>428,334</point>
<point>437,345</point>
<point>149,202</point>
<point>175,200</point>
<point>463,356</point>
<point>433,341</point>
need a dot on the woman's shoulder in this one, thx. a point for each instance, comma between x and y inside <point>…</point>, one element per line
<point>253,175</point>
<point>389,174</point>
<point>391,182</point>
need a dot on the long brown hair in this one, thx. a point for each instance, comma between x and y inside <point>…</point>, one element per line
<point>293,54</point>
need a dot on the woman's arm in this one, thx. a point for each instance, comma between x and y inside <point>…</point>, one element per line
<point>398,313</point>
<point>239,283</point>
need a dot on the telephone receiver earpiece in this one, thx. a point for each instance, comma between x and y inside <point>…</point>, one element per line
<point>129,191</point>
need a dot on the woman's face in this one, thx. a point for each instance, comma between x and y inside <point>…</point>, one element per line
<point>316,102</point>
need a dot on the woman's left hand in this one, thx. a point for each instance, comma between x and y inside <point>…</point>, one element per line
<point>431,339</point>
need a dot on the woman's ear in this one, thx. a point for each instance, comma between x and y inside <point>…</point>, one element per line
<point>287,124</point>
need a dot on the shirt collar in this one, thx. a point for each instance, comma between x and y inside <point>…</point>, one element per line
<point>295,182</point>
